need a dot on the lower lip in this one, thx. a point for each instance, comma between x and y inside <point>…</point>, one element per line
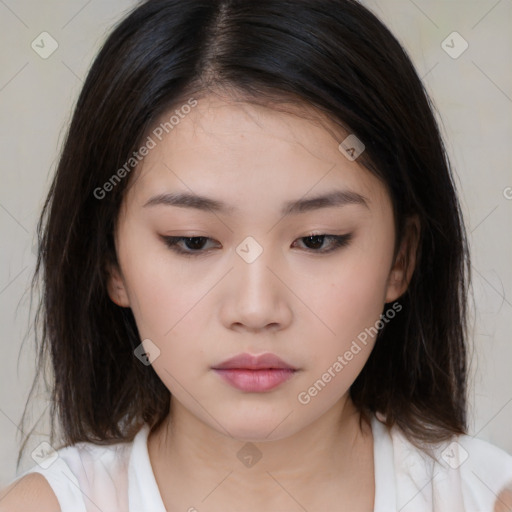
<point>255,380</point>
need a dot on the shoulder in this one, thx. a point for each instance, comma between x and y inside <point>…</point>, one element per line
<point>504,501</point>
<point>464,470</point>
<point>478,457</point>
<point>62,478</point>
<point>29,493</point>
<point>485,470</point>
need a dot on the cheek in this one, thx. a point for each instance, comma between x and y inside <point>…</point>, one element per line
<point>168,312</point>
<point>351,307</point>
<point>357,290</point>
<point>158,296</point>
<point>163,304</point>
<point>171,309</point>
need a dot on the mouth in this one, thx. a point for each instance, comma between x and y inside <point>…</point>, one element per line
<point>255,374</point>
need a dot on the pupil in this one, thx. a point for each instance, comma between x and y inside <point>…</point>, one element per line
<point>195,242</point>
<point>316,238</point>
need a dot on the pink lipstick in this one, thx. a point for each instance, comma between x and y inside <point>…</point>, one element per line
<point>255,374</point>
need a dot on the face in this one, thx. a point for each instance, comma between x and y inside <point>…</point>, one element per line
<point>250,273</point>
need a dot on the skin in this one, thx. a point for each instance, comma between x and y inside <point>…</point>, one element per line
<point>303,306</point>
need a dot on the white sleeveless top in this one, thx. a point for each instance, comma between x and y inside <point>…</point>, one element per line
<point>468,477</point>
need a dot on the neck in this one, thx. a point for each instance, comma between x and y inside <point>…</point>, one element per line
<point>186,450</point>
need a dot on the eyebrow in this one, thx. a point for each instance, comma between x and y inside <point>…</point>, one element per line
<point>336,198</point>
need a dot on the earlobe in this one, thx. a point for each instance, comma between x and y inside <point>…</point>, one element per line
<point>116,287</point>
<point>405,262</point>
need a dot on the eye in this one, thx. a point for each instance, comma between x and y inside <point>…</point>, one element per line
<point>315,241</point>
<point>194,244</point>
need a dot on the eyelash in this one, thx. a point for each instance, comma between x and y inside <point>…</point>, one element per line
<point>338,241</point>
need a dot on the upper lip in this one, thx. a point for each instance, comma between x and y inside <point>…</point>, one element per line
<point>252,362</point>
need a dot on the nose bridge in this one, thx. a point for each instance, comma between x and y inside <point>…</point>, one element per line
<point>253,261</point>
<point>258,298</point>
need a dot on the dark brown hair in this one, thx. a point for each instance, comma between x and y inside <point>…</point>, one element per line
<point>332,55</point>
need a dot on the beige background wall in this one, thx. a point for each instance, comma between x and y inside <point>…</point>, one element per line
<point>473,93</point>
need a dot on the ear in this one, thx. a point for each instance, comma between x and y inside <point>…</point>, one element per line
<point>405,261</point>
<point>116,286</point>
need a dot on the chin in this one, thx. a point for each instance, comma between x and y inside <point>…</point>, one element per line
<point>251,426</point>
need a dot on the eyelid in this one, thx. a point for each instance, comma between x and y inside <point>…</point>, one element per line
<point>338,242</point>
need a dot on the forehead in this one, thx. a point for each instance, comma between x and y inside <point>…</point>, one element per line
<point>240,150</point>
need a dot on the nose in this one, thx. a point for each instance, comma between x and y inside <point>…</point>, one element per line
<point>256,297</point>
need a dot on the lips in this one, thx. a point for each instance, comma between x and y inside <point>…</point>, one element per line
<point>250,362</point>
<point>255,374</point>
